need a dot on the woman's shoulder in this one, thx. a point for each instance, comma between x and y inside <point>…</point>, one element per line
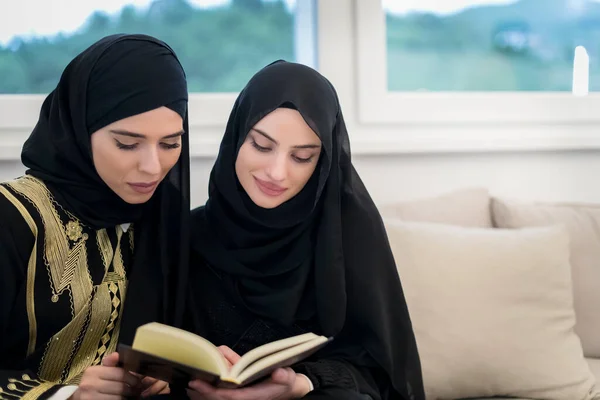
<point>15,213</point>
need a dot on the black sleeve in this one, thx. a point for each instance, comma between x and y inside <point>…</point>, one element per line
<point>324,373</point>
<point>339,373</point>
<point>16,245</point>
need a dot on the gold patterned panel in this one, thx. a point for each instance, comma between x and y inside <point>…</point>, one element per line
<point>25,388</point>
<point>131,238</point>
<point>81,287</point>
<point>94,329</point>
<point>100,315</point>
<point>114,317</point>
<point>110,256</point>
<point>60,348</point>
<point>103,328</point>
<point>118,266</point>
<point>57,253</point>
<point>115,336</point>
<point>104,247</point>
<point>31,268</point>
<point>37,391</point>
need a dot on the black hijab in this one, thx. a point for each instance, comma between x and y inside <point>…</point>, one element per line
<point>325,251</point>
<point>118,77</point>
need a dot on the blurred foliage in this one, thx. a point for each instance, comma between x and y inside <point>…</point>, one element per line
<point>220,48</point>
<point>526,45</point>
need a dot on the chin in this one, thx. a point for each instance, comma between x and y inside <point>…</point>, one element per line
<point>139,199</point>
<point>266,202</point>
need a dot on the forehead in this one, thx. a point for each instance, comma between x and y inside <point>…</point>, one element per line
<point>286,125</point>
<point>160,121</point>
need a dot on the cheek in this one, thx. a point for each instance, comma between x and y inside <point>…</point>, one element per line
<point>301,174</point>
<point>169,159</point>
<point>247,160</point>
<point>110,162</point>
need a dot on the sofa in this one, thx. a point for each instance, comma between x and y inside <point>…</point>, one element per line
<point>504,294</point>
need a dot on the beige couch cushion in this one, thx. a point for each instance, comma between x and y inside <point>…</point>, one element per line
<point>594,364</point>
<point>492,311</point>
<point>583,224</point>
<point>464,207</point>
<point>497,398</point>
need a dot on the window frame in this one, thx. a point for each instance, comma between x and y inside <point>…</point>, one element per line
<point>377,105</point>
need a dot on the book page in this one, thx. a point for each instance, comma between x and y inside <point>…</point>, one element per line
<point>282,358</point>
<point>180,346</point>
<point>268,348</point>
<point>160,368</point>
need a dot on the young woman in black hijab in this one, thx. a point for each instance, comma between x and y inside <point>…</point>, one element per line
<point>94,239</point>
<point>290,241</point>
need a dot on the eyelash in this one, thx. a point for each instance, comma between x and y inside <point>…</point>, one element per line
<point>165,146</point>
<point>266,149</point>
<point>260,148</point>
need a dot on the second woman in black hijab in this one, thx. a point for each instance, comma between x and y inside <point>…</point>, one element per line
<point>93,239</point>
<point>290,241</point>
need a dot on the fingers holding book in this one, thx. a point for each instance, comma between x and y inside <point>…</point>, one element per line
<point>152,386</point>
<point>231,356</point>
<point>107,381</point>
<point>283,383</point>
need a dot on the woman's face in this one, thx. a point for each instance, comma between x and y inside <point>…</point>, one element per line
<point>133,155</point>
<point>278,157</point>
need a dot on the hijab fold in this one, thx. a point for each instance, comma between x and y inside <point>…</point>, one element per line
<point>323,254</point>
<point>117,77</point>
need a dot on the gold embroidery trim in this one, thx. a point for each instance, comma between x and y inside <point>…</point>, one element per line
<point>26,388</point>
<point>38,391</point>
<point>122,291</point>
<point>62,262</point>
<point>95,326</point>
<point>131,238</point>
<point>31,267</point>
<point>60,348</point>
<point>99,313</point>
<point>118,266</point>
<point>104,327</point>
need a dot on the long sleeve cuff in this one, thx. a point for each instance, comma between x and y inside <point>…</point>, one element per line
<point>328,373</point>
<point>63,393</point>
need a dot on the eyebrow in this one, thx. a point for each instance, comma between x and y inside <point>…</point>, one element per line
<point>123,132</point>
<point>300,146</point>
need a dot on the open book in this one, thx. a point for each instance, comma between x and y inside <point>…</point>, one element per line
<point>175,355</point>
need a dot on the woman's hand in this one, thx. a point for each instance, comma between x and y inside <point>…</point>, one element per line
<point>284,384</point>
<point>107,382</point>
<point>231,356</point>
<point>152,386</point>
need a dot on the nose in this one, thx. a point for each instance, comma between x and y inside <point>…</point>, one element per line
<point>278,169</point>
<point>150,162</point>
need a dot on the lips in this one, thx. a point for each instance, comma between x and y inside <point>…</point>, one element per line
<point>268,188</point>
<point>143,187</point>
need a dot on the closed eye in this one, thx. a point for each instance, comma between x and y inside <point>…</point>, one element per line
<point>166,146</point>
<point>124,146</point>
<point>303,160</point>
<point>259,147</point>
<point>170,146</point>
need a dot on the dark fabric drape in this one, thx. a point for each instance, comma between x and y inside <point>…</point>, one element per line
<point>322,254</point>
<point>117,77</point>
